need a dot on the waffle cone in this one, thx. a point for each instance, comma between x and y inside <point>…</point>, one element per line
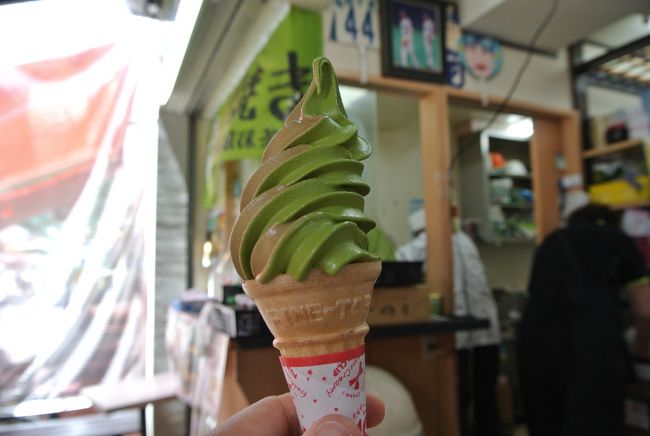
<point>320,315</point>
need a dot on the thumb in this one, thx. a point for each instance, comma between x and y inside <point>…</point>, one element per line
<point>333,425</point>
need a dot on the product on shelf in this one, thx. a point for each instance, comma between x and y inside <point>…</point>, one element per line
<point>300,244</point>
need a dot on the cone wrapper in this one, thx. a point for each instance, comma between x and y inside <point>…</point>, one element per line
<point>319,327</point>
<point>328,384</point>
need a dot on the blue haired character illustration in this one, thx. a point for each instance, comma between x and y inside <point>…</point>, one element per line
<point>481,55</point>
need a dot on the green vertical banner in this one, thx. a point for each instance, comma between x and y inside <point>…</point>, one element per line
<point>272,85</point>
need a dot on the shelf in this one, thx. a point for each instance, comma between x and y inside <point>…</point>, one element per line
<point>514,206</point>
<point>640,203</point>
<point>623,69</point>
<point>617,82</point>
<point>513,241</point>
<point>509,176</point>
<point>438,324</point>
<point>612,148</point>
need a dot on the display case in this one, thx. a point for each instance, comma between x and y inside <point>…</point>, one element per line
<point>617,175</point>
<point>496,188</point>
<point>610,91</point>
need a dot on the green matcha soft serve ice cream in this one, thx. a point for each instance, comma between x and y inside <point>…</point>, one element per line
<point>303,207</point>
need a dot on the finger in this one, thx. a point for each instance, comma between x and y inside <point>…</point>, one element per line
<point>334,425</point>
<point>271,416</point>
<point>375,410</point>
<point>289,410</point>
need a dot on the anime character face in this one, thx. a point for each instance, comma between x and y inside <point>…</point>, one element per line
<point>481,55</point>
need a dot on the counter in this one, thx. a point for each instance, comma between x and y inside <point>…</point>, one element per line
<point>437,325</point>
<point>418,354</point>
<point>421,355</point>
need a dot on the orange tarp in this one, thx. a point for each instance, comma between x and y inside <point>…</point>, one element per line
<point>54,115</point>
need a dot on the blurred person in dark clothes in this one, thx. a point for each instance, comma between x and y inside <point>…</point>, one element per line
<point>572,357</point>
<point>478,351</point>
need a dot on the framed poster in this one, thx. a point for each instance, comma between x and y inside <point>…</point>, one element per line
<point>413,41</point>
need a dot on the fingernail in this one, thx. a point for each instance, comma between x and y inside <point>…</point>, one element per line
<point>332,428</point>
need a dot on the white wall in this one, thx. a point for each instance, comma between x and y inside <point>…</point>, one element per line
<point>399,179</point>
<point>391,125</point>
<point>602,101</point>
<point>363,111</point>
<point>546,81</point>
<point>471,10</point>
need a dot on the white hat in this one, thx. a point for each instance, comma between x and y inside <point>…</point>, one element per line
<point>416,220</point>
<point>574,200</point>
<point>515,167</point>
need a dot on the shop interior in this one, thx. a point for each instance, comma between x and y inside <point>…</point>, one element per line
<point>129,160</point>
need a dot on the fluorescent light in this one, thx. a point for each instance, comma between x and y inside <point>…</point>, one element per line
<point>521,129</point>
<point>207,251</point>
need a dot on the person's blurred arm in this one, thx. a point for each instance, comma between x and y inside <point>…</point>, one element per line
<point>630,268</point>
<point>638,294</point>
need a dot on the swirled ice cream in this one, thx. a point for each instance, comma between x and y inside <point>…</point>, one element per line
<point>303,207</point>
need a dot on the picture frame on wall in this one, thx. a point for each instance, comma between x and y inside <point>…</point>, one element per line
<point>413,39</point>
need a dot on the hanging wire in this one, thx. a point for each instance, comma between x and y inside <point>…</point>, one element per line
<point>461,150</point>
<point>513,87</point>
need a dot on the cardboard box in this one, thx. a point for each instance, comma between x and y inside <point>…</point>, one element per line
<point>597,129</point>
<point>399,305</point>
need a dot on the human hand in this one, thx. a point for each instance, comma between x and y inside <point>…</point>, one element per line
<point>276,416</point>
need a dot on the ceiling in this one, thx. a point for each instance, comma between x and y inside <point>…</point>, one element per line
<point>218,37</point>
<point>515,21</point>
<point>620,32</point>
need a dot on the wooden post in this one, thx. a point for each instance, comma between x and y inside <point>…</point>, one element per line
<point>436,151</point>
<point>544,147</point>
<point>572,145</point>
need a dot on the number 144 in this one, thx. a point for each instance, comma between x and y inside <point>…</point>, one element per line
<point>352,19</point>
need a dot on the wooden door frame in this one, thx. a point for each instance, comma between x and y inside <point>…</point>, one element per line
<point>556,131</point>
<point>551,124</point>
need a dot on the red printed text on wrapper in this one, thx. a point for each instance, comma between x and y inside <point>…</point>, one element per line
<point>328,384</point>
